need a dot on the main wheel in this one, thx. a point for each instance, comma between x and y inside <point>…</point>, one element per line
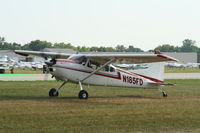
<point>164,94</point>
<point>83,94</point>
<point>2,71</point>
<point>53,93</point>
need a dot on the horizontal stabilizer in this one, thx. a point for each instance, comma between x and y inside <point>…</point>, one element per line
<point>167,84</point>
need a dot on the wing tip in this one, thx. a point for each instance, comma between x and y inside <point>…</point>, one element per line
<point>158,53</point>
<point>20,53</point>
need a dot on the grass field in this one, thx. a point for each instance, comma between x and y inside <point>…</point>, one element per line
<point>182,70</point>
<point>25,71</point>
<point>25,107</point>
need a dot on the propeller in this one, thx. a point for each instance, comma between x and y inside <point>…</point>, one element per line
<point>49,63</point>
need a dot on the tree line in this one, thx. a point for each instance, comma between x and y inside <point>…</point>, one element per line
<point>187,46</point>
<point>36,45</point>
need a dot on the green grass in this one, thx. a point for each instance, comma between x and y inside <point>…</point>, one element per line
<point>15,75</point>
<point>25,71</point>
<point>182,70</point>
<point>25,107</point>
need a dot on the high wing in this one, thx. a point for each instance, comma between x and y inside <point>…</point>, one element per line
<point>104,58</point>
<point>42,54</point>
<point>129,58</point>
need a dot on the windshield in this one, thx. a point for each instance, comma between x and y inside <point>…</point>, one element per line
<point>78,59</point>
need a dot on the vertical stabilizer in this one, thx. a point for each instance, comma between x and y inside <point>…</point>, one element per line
<point>153,70</point>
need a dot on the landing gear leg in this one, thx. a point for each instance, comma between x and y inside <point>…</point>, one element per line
<point>163,93</point>
<point>82,94</point>
<point>54,92</point>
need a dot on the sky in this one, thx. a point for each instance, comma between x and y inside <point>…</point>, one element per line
<point>141,23</point>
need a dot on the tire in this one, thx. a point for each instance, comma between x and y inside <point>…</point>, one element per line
<point>53,93</point>
<point>2,71</point>
<point>83,94</point>
<point>165,94</point>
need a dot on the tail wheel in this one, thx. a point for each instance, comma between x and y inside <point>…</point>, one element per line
<point>83,94</point>
<point>53,92</point>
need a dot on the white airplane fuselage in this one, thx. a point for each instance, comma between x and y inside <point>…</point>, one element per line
<point>68,70</point>
<point>96,69</point>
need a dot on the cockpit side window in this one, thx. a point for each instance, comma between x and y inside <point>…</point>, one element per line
<point>112,69</point>
<point>92,64</point>
<point>108,68</point>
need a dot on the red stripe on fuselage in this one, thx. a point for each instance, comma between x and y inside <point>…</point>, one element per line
<point>135,74</point>
<point>66,60</point>
<point>119,70</point>
<point>100,74</point>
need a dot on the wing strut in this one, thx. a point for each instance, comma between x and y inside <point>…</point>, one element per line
<point>111,60</point>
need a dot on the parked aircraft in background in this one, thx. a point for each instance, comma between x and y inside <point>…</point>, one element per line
<point>185,65</point>
<point>5,63</point>
<point>97,69</point>
<point>29,65</point>
<point>131,66</point>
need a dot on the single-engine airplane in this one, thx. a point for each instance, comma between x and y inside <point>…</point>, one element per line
<point>97,69</point>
